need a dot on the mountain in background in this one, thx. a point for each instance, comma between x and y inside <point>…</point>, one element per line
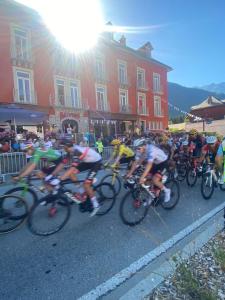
<point>215,87</point>
<point>185,98</point>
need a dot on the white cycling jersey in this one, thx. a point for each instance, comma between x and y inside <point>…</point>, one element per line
<point>153,154</point>
<point>88,155</point>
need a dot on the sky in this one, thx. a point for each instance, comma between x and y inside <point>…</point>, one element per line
<point>186,35</point>
<point>190,37</point>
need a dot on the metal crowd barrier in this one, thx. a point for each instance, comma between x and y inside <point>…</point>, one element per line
<point>13,163</point>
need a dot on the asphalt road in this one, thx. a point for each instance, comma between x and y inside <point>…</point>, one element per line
<point>88,251</point>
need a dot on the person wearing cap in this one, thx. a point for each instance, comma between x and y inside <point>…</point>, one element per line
<point>122,154</point>
<point>156,163</point>
<point>53,158</point>
<point>85,159</point>
<point>211,153</point>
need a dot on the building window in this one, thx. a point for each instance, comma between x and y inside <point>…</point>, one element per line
<point>142,109</point>
<point>123,95</point>
<point>100,68</point>
<point>101,97</point>
<point>21,44</point>
<point>24,91</point>
<point>156,83</point>
<point>75,94</point>
<point>60,91</point>
<point>157,106</point>
<point>141,78</point>
<point>122,67</point>
<point>160,125</point>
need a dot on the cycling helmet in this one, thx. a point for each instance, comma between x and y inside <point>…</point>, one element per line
<point>193,131</point>
<point>211,139</point>
<point>115,142</point>
<point>140,142</point>
<point>28,146</point>
<point>185,143</point>
<point>67,143</point>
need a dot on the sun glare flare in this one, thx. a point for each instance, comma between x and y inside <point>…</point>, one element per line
<point>76,24</point>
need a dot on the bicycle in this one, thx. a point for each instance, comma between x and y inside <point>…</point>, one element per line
<point>210,181</point>
<point>115,179</point>
<point>194,171</point>
<point>13,213</point>
<point>58,206</point>
<point>27,190</point>
<point>137,201</point>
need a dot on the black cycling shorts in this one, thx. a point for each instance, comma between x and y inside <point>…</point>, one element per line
<point>93,168</point>
<point>52,165</point>
<point>159,168</point>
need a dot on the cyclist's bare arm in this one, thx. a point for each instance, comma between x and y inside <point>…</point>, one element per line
<point>27,171</point>
<point>146,172</point>
<point>70,173</point>
<point>134,166</point>
<point>58,169</point>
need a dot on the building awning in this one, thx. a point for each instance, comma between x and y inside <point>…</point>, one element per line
<point>21,116</point>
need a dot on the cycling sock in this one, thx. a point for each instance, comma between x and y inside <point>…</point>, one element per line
<point>94,202</point>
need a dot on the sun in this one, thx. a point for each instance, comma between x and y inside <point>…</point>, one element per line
<point>76,24</point>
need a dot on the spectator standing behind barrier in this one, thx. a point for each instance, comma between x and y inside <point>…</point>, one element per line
<point>99,146</point>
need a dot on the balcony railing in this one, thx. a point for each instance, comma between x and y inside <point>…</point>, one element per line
<point>101,78</point>
<point>21,60</point>
<point>127,109</point>
<point>19,99</point>
<point>103,107</point>
<point>124,82</point>
<point>144,111</point>
<point>159,90</point>
<point>142,85</point>
<point>66,102</point>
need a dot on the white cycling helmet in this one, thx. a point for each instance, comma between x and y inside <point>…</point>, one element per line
<point>211,139</point>
<point>185,143</point>
<point>140,142</point>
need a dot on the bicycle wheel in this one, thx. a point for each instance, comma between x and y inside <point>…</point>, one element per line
<point>207,186</point>
<point>30,196</point>
<point>49,215</point>
<point>114,181</point>
<point>191,177</point>
<point>181,172</point>
<point>174,186</point>
<point>13,212</point>
<point>106,203</point>
<point>134,206</point>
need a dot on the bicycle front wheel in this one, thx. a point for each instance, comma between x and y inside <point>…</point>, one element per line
<point>30,196</point>
<point>207,186</point>
<point>106,197</point>
<point>13,212</point>
<point>48,216</point>
<point>191,177</point>
<point>114,181</point>
<point>134,206</point>
<point>174,187</point>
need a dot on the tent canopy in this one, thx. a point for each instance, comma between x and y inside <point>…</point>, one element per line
<point>21,116</point>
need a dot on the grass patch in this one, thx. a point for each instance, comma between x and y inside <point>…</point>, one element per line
<point>219,255</point>
<point>189,285</point>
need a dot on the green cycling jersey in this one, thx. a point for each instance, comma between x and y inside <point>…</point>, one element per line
<point>48,154</point>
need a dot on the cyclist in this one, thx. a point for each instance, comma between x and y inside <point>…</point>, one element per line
<point>220,161</point>
<point>52,157</point>
<point>195,142</point>
<point>121,153</point>
<point>210,153</point>
<point>156,162</point>
<point>85,159</point>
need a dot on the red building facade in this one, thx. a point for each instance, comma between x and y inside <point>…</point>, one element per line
<point>110,89</point>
